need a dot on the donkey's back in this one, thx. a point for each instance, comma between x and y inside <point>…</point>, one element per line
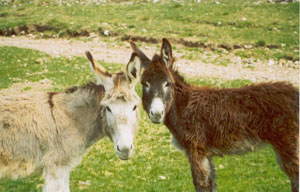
<point>253,114</point>
<point>273,110</point>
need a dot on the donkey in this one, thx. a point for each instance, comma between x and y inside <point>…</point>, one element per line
<point>207,122</point>
<point>52,131</point>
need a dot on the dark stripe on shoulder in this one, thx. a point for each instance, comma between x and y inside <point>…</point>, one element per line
<point>50,96</point>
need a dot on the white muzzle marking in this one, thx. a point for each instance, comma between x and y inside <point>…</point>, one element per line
<point>157,110</point>
<point>124,145</point>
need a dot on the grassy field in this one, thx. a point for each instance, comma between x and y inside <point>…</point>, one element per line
<point>269,30</point>
<point>156,165</point>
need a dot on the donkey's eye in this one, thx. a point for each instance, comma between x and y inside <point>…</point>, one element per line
<point>168,84</point>
<point>134,108</point>
<point>145,84</point>
<point>108,109</point>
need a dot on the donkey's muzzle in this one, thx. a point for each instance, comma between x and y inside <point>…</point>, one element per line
<point>157,116</point>
<point>125,152</point>
<point>156,111</point>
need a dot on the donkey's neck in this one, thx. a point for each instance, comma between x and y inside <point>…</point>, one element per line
<point>83,106</point>
<point>174,116</point>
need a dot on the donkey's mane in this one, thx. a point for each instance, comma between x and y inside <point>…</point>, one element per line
<point>174,70</point>
<point>177,76</point>
<point>91,86</point>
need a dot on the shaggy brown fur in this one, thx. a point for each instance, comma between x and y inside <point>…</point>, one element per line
<point>206,122</point>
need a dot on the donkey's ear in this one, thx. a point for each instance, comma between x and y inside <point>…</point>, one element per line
<point>144,59</point>
<point>133,69</point>
<point>102,76</point>
<point>166,52</point>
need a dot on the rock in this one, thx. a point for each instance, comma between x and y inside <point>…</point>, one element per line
<point>106,32</point>
<point>246,61</point>
<point>31,28</point>
<point>271,62</point>
<point>247,46</point>
<point>105,24</point>
<point>31,35</point>
<point>17,30</point>
<point>282,62</point>
<point>92,35</point>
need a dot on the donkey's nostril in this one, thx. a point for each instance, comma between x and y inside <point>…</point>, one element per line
<point>131,146</point>
<point>151,112</point>
<point>118,148</point>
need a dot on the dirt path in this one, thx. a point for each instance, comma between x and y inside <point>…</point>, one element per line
<point>259,71</point>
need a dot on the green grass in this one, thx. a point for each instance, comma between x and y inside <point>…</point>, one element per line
<point>230,22</point>
<point>154,156</point>
<point>19,64</point>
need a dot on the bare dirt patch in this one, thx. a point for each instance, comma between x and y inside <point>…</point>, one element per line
<point>22,87</point>
<point>39,29</point>
<point>237,68</point>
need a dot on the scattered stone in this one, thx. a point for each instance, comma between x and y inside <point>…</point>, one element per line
<point>271,62</point>
<point>246,61</point>
<point>84,184</point>
<point>31,35</point>
<point>105,24</point>
<point>162,177</point>
<point>258,2</point>
<point>225,46</point>
<point>205,66</point>
<point>237,46</point>
<point>106,32</point>
<point>247,46</point>
<point>92,35</point>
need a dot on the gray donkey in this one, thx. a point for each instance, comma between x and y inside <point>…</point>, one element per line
<point>52,131</point>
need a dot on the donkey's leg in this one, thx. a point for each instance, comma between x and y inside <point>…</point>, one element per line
<point>202,172</point>
<point>212,177</point>
<point>289,168</point>
<point>56,179</point>
<point>288,159</point>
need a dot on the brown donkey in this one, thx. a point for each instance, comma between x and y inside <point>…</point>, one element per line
<point>206,122</point>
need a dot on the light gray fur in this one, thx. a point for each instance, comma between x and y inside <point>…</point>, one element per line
<point>52,131</point>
